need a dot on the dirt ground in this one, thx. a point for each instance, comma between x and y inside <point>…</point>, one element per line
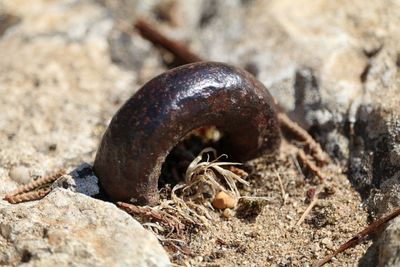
<point>269,236</point>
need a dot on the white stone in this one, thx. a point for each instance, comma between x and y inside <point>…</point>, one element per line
<point>20,174</point>
<point>67,228</point>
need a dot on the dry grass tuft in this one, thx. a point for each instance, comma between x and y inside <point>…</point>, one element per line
<point>188,202</point>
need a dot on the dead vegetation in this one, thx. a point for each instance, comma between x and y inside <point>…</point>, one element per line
<point>189,203</point>
<point>34,190</point>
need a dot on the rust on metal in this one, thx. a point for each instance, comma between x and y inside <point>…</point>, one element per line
<point>154,120</point>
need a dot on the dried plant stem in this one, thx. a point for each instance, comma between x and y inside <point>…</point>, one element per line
<point>282,188</point>
<point>186,204</point>
<point>360,236</point>
<point>35,184</point>
<point>315,149</point>
<point>242,173</point>
<point>305,161</point>
<point>180,51</point>
<point>297,165</point>
<point>313,202</point>
<point>153,213</point>
<point>28,196</point>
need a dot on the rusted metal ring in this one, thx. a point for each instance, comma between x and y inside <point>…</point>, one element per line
<point>146,128</point>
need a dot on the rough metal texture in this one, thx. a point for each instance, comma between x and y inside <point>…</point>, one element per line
<point>162,112</point>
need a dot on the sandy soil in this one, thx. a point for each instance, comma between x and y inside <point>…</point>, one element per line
<point>270,236</point>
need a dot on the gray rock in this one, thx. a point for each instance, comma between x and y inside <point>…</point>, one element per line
<point>83,180</point>
<point>389,246</point>
<point>69,229</point>
<point>374,170</point>
<point>374,149</point>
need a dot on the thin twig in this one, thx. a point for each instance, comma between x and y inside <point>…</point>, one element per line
<point>180,51</point>
<point>315,149</point>
<point>35,184</point>
<point>149,212</point>
<point>360,236</point>
<point>303,159</point>
<point>308,209</point>
<point>297,165</point>
<point>281,186</point>
<point>28,196</point>
<point>238,171</point>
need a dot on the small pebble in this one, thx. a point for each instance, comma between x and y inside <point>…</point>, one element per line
<point>315,247</point>
<point>223,200</point>
<point>328,243</point>
<point>228,213</point>
<point>20,174</point>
